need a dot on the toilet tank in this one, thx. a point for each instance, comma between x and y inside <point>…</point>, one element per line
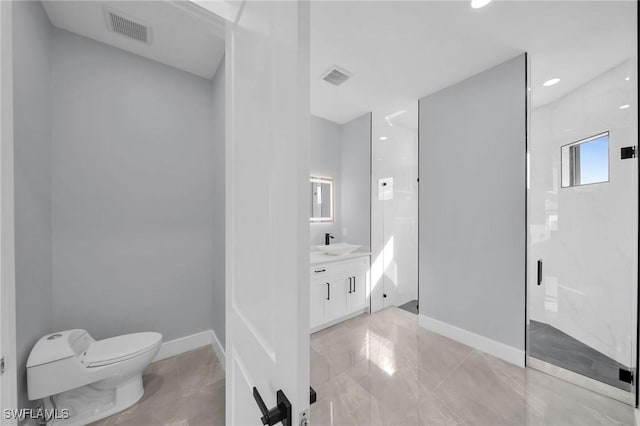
<point>57,346</point>
<point>51,360</point>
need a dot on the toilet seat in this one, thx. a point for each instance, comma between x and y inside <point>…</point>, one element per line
<point>120,348</point>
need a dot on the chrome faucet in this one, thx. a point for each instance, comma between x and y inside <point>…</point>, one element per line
<point>327,238</point>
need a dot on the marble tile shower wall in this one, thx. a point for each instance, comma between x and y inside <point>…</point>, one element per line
<point>394,213</point>
<point>586,235</point>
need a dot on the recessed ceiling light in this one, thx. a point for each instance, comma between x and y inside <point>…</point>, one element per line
<point>627,79</point>
<point>551,82</point>
<point>625,106</point>
<point>383,138</point>
<point>477,4</point>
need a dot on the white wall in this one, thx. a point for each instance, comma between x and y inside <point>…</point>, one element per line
<point>32,131</point>
<point>394,231</point>
<point>134,193</point>
<point>472,207</point>
<point>586,236</point>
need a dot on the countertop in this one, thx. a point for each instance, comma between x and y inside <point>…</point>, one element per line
<point>318,257</point>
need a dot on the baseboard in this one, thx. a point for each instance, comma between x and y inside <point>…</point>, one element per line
<point>476,341</point>
<point>339,320</point>
<point>218,349</point>
<point>188,343</point>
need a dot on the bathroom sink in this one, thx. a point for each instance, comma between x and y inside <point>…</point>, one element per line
<point>338,249</point>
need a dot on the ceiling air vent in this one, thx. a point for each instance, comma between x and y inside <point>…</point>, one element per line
<point>128,27</point>
<point>336,76</point>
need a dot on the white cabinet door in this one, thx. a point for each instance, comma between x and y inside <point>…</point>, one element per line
<point>267,249</point>
<point>358,298</point>
<point>336,301</point>
<point>318,296</point>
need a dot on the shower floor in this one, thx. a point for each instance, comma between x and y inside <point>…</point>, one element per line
<point>551,345</point>
<point>411,306</point>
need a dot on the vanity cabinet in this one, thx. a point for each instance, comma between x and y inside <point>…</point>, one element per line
<point>338,291</point>
<point>357,296</point>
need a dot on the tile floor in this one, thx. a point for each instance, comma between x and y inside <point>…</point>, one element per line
<point>186,390</point>
<point>383,369</point>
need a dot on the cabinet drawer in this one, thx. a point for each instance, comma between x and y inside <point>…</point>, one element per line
<point>347,267</point>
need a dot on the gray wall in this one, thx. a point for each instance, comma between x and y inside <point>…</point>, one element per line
<point>32,126</point>
<point>133,193</point>
<point>326,153</point>
<point>218,309</point>
<point>356,180</point>
<point>472,204</point>
<point>343,152</point>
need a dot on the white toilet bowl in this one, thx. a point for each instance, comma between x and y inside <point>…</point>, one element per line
<point>92,379</point>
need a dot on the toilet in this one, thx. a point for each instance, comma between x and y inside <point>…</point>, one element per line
<point>92,379</point>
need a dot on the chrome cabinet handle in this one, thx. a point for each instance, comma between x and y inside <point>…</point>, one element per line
<point>317,271</point>
<point>350,285</point>
<point>328,291</point>
<point>354,284</point>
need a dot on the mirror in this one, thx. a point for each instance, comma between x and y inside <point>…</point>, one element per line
<point>321,199</point>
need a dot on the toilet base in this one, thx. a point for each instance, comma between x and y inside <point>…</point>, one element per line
<point>88,404</point>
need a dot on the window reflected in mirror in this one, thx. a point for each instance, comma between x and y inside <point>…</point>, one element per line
<point>322,192</point>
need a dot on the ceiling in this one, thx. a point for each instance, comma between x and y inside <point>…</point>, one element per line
<point>180,36</point>
<point>399,52</point>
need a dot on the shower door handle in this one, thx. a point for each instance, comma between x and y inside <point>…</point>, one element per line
<point>539,271</point>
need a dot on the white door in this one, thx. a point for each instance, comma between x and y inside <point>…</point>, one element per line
<point>267,209</point>
<point>318,295</point>
<point>7,278</point>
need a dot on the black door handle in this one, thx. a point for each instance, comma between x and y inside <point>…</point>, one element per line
<point>320,270</point>
<point>280,413</point>
<point>354,284</point>
<point>349,285</point>
<point>539,271</point>
<point>313,397</point>
<point>328,291</point>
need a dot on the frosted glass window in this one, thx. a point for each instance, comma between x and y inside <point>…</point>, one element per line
<point>586,161</point>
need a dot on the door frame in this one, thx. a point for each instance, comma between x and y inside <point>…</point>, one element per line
<point>8,381</point>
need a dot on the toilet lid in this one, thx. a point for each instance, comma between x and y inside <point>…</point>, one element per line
<point>120,348</point>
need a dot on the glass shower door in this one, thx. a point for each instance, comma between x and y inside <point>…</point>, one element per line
<point>583,233</point>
